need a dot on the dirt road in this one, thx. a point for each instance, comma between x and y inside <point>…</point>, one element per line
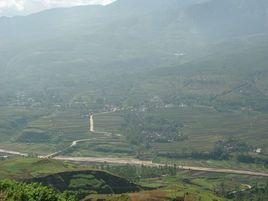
<point>133,161</point>
<point>13,152</point>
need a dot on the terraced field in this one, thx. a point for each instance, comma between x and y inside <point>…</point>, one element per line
<point>107,138</point>
<point>15,118</point>
<point>43,133</point>
<point>205,126</point>
<point>109,122</point>
<point>63,126</point>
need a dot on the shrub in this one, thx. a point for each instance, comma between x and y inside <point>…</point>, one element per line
<point>16,191</point>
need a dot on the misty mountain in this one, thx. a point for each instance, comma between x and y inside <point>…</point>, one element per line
<point>239,17</point>
<point>91,46</point>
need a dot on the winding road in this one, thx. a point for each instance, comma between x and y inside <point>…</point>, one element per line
<point>134,161</point>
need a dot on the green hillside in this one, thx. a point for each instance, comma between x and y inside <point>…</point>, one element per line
<point>25,168</point>
<point>11,190</point>
<point>83,183</point>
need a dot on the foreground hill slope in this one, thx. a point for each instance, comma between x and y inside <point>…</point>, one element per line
<point>62,177</point>
<point>11,190</point>
<point>87,182</point>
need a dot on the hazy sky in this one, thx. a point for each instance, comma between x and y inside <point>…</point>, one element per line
<point>23,7</point>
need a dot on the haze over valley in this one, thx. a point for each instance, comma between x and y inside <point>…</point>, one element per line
<point>145,100</point>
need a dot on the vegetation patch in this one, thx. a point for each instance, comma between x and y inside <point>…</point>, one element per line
<point>34,136</point>
<point>87,182</point>
<point>16,191</point>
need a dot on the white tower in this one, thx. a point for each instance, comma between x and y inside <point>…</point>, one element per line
<point>91,122</point>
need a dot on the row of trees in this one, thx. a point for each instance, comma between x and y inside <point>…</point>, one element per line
<point>223,150</point>
<point>135,173</point>
<point>247,158</point>
<point>217,153</point>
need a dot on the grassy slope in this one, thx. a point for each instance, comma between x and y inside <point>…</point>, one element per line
<point>24,168</point>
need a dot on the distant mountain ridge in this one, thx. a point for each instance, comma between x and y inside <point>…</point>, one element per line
<point>208,17</point>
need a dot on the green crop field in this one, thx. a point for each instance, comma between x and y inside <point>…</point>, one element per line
<point>109,122</point>
<point>205,126</point>
<point>107,140</point>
